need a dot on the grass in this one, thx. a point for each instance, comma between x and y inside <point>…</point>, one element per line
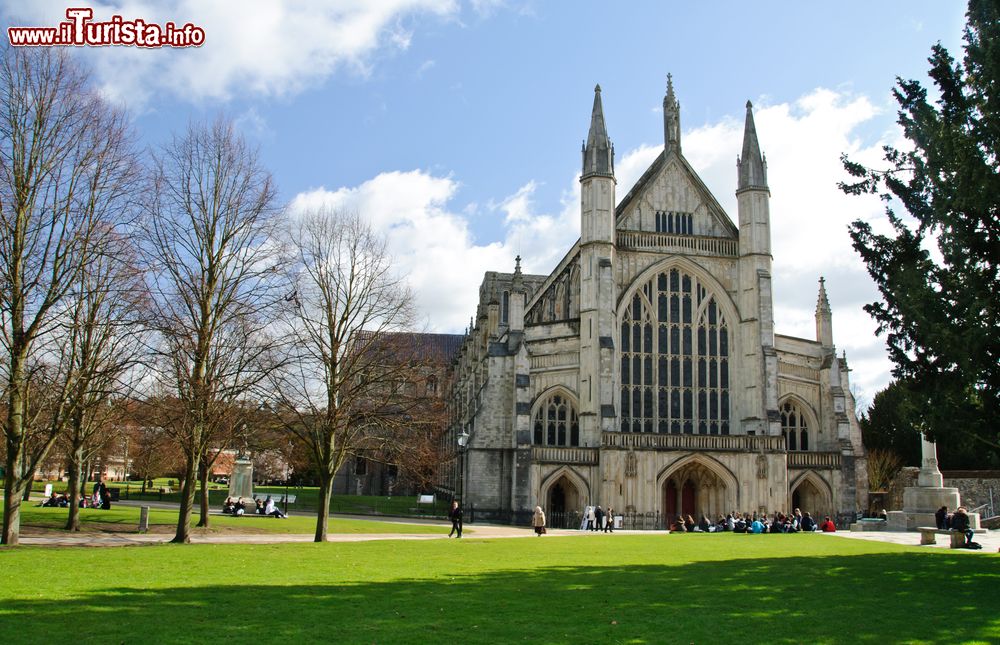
<point>125,519</point>
<point>306,498</point>
<point>654,588</point>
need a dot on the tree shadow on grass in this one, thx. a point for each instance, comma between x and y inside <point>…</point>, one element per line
<point>871,598</point>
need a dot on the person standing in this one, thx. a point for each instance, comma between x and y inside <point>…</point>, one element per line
<point>591,518</point>
<point>598,519</point>
<point>455,515</point>
<point>105,498</point>
<point>538,521</point>
<point>609,524</point>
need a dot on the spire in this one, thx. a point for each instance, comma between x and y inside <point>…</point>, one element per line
<point>822,303</point>
<point>824,317</point>
<point>598,153</point>
<point>751,164</point>
<point>671,118</point>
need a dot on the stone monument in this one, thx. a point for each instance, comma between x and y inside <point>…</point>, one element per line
<point>921,501</point>
<point>241,479</point>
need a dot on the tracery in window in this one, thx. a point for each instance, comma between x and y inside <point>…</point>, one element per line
<point>674,358</point>
<point>555,423</point>
<point>794,427</point>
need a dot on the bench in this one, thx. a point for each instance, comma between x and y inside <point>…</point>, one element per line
<point>928,535</point>
<point>165,490</point>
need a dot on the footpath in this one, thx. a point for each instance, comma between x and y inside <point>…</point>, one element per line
<point>990,540</point>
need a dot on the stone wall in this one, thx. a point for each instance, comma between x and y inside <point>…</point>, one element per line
<point>973,486</point>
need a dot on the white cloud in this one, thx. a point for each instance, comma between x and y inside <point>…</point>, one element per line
<point>433,242</point>
<point>803,141</point>
<point>257,46</point>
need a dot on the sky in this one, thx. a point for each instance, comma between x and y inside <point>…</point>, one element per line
<point>455,128</point>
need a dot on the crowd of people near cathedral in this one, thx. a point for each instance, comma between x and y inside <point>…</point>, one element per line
<point>753,523</point>
<point>238,507</point>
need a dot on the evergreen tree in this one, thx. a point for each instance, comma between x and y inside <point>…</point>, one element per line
<point>939,270</point>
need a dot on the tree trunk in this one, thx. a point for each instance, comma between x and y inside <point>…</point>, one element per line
<point>12,497</point>
<point>75,466</point>
<point>323,513</point>
<point>183,535</point>
<point>203,475</point>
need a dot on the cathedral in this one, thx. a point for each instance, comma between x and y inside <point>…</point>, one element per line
<point>644,372</point>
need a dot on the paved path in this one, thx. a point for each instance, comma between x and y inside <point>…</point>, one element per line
<point>478,531</point>
<point>990,539</point>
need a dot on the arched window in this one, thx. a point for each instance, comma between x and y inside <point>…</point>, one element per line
<point>556,423</point>
<point>794,427</point>
<point>675,358</point>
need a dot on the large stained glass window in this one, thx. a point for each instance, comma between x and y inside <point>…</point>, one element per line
<point>675,351</point>
<point>794,427</point>
<point>556,423</point>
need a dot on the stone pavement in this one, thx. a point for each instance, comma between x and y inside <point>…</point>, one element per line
<point>478,531</point>
<point>990,539</point>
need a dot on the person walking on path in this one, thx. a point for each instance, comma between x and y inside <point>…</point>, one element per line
<point>609,524</point>
<point>538,521</point>
<point>599,519</point>
<point>455,515</point>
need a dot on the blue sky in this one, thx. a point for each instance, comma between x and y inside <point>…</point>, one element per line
<point>456,127</point>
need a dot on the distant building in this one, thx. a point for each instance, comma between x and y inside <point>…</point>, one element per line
<point>433,354</point>
<point>644,372</point>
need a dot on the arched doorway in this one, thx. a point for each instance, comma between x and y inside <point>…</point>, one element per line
<point>563,503</point>
<point>697,489</point>
<point>812,496</point>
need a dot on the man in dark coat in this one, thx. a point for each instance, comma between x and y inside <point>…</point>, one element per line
<point>455,515</point>
<point>960,522</point>
<point>599,519</point>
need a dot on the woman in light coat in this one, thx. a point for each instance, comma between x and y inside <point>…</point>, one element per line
<point>538,521</point>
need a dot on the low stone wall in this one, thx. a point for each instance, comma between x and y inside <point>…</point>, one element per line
<point>975,487</point>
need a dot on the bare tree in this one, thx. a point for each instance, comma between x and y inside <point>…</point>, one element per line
<point>66,172</point>
<point>104,328</point>
<point>208,241</point>
<point>153,451</point>
<point>339,392</point>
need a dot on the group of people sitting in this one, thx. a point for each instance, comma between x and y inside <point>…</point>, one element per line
<point>100,499</point>
<point>753,523</point>
<point>61,501</point>
<point>238,507</point>
<point>957,521</point>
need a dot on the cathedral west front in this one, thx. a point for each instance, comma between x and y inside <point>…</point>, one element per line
<point>644,372</point>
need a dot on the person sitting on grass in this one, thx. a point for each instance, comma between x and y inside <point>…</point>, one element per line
<point>757,527</point>
<point>259,508</point>
<point>228,506</point>
<point>808,523</point>
<point>271,509</point>
<point>239,508</point>
<point>828,526</point>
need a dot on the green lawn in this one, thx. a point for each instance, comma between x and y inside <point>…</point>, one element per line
<point>306,498</point>
<point>655,588</point>
<point>126,519</point>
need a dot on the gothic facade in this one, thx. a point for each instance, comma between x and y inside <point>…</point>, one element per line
<point>644,372</point>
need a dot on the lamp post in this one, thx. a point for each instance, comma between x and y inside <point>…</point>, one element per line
<point>463,442</point>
